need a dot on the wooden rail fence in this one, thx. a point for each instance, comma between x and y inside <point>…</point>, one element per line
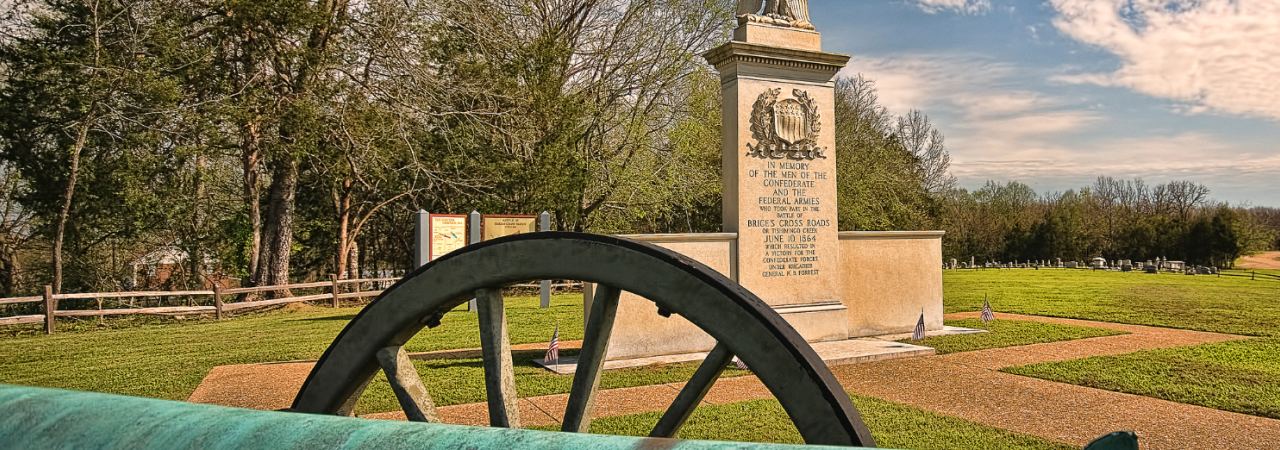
<point>51,310</point>
<point>1253,275</point>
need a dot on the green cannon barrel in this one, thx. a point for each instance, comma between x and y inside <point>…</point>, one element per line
<point>52,418</point>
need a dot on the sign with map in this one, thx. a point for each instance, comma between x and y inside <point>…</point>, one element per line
<point>448,233</point>
<point>493,227</point>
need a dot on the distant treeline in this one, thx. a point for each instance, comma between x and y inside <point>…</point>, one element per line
<point>1114,219</point>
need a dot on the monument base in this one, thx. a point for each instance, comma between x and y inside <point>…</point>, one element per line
<point>889,278</point>
<point>818,322</point>
<point>834,353</point>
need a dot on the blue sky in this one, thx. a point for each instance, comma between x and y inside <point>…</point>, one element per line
<point>1054,93</point>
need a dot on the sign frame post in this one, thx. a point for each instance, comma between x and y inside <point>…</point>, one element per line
<point>474,236</point>
<point>544,220</point>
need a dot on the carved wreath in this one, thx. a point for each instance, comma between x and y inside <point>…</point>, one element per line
<point>787,128</point>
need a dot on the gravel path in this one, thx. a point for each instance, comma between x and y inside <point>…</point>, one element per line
<point>965,385</point>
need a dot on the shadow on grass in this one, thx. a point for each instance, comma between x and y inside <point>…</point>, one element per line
<point>346,317</point>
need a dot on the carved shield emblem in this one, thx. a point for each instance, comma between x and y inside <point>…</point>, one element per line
<point>785,128</point>
<point>789,121</point>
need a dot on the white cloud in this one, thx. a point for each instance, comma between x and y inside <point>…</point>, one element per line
<point>1220,55</point>
<point>997,131</point>
<point>960,6</point>
<point>970,101</point>
<point>1183,156</point>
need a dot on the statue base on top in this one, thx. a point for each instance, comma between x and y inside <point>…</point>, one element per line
<point>776,36</point>
<point>775,20</point>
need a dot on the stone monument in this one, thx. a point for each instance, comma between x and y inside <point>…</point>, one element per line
<point>779,161</point>
<point>780,237</point>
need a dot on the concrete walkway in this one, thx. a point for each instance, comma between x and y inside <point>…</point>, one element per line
<point>965,385</point>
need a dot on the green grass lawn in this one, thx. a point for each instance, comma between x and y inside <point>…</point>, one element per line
<point>1204,302</point>
<point>1238,376</point>
<point>168,359</point>
<point>893,425</point>
<point>1007,333</point>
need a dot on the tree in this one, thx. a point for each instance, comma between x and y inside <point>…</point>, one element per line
<point>591,90</point>
<point>84,93</point>
<point>15,231</point>
<point>927,145</point>
<point>880,182</point>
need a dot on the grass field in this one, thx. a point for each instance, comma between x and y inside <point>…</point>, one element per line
<point>1237,376</point>
<point>1204,302</point>
<point>168,359</point>
<point>1007,333</point>
<point>892,425</point>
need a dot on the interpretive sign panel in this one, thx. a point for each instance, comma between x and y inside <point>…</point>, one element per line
<point>448,233</point>
<point>493,227</point>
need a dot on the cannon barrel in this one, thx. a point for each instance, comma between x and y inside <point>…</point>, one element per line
<point>53,418</point>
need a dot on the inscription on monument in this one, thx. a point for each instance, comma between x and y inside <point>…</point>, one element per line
<point>789,217</point>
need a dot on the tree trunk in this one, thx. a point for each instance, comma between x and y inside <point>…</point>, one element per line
<point>250,155</point>
<point>278,229</point>
<point>11,267</point>
<point>67,195</point>
<point>342,202</point>
<point>193,243</point>
<point>353,261</point>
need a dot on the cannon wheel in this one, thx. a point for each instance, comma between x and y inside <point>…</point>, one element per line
<point>740,322</point>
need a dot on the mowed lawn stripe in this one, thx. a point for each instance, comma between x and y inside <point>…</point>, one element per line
<point>893,425</point>
<point>1203,302</point>
<point>1237,376</point>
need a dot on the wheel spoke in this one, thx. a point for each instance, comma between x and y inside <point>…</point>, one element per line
<point>693,392</point>
<point>499,377</point>
<point>348,407</point>
<point>595,341</point>
<point>407,385</point>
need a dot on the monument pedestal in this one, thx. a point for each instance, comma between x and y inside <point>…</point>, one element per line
<point>781,238</point>
<point>779,167</point>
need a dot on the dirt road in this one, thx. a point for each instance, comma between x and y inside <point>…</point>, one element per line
<point>1268,260</point>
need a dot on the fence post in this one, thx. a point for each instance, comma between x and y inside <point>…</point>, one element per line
<point>545,286</point>
<point>217,301</point>
<point>333,277</point>
<point>49,307</point>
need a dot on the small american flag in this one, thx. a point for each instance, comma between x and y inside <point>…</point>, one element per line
<point>987,315</point>
<point>553,350</point>
<point>918,334</point>
<point>738,362</point>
